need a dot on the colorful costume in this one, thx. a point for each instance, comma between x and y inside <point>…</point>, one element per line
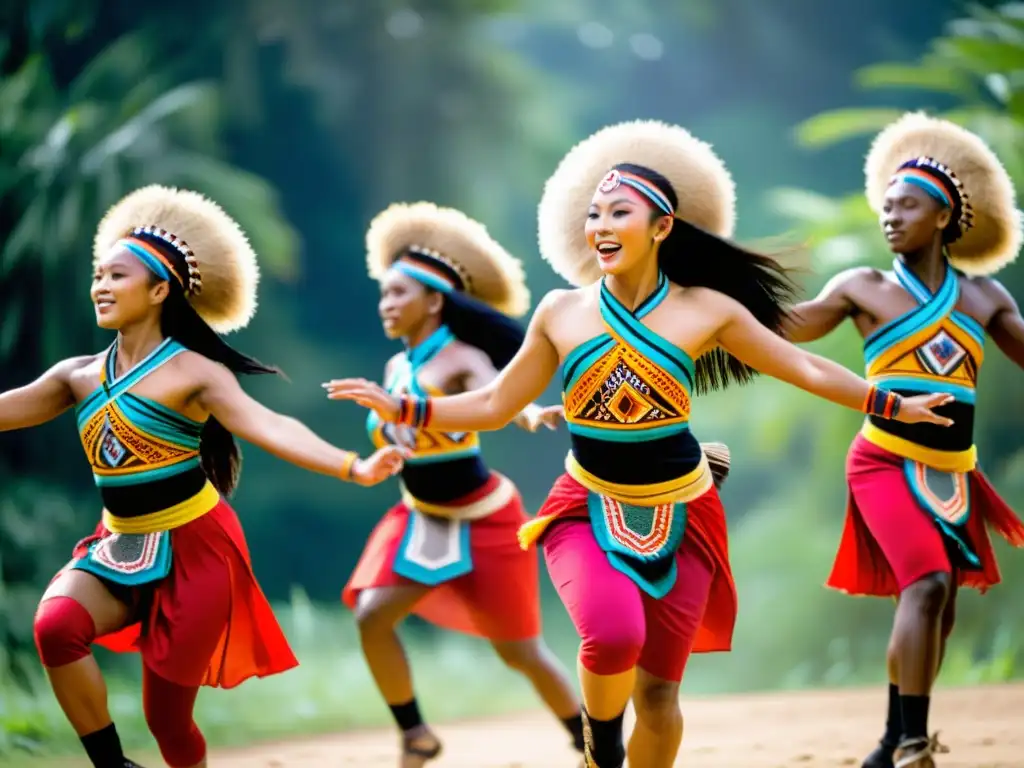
<point>169,547</point>
<point>918,504</point>
<point>634,533</point>
<point>455,528</point>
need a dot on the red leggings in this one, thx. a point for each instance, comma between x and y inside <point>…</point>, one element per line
<point>621,626</point>
<point>64,632</point>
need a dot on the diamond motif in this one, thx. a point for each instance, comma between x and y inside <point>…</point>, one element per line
<point>625,398</point>
<point>629,405</point>
<point>112,450</point>
<point>942,354</point>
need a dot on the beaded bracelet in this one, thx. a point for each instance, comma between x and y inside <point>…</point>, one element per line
<point>882,403</point>
<point>414,411</point>
<point>345,472</point>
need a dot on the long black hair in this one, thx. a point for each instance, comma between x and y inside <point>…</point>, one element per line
<point>691,257</point>
<point>218,451</point>
<point>471,321</point>
<point>474,323</point>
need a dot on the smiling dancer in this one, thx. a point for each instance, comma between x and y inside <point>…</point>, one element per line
<point>634,533</point>
<point>918,507</point>
<point>448,550</point>
<point>167,571</point>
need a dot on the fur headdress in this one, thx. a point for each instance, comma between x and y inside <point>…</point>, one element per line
<point>703,185</point>
<point>987,228</point>
<point>184,236</point>
<point>446,249</point>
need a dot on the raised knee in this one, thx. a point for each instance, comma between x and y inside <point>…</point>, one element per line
<point>928,595</point>
<point>613,649</point>
<point>63,631</point>
<point>520,656</point>
<point>374,614</point>
<point>657,704</point>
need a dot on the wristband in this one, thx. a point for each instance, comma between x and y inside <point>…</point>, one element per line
<point>882,403</point>
<point>414,411</point>
<point>345,472</point>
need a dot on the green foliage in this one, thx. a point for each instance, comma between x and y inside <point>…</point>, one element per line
<point>70,154</point>
<point>333,102</point>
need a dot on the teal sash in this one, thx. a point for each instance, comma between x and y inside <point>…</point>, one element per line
<point>433,549</point>
<point>637,538</point>
<point>129,559</point>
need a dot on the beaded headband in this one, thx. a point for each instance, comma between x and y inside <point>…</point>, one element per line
<point>939,181</point>
<point>159,264</point>
<point>616,178</point>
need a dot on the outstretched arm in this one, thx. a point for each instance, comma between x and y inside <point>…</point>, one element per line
<point>43,400</point>
<point>811,320</point>
<point>287,438</point>
<point>1006,326</point>
<point>482,410</point>
<point>532,417</point>
<point>751,342</point>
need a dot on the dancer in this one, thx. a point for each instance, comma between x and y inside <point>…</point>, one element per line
<point>448,550</point>
<point>167,571</point>
<point>634,533</point>
<point>918,504</point>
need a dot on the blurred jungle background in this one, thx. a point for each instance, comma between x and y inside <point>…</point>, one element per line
<point>305,118</point>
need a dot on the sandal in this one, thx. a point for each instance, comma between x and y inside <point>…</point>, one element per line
<point>917,752</point>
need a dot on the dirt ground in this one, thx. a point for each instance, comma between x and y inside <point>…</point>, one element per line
<point>984,728</point>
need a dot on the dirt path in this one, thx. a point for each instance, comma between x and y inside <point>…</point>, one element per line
<point>983,726</point>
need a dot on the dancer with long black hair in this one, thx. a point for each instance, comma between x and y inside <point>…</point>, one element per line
<point>167,571</point>
<point>448,550</point>
<point>634,533</point>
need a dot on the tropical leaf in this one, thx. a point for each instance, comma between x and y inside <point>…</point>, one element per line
<point>838,125</point>
<point>982,56</point>
<point>926,76</point>
<point>124,122</point>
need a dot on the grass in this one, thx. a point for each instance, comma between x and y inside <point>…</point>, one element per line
<point>791,634</point>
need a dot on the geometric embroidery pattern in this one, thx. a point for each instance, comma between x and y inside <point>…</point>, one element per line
<point>643,531</point>
<point>941,355</point>
<point>624,389</point>
<point>113,445</point>
<point>947,495</point>
<point>128,553</point>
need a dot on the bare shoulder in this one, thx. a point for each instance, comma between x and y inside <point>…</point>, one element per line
<point>72,365</point>
<point>559,299</point>
<point>559,302</point>
<point>199,369</point>
<point>855,278</point>
<point>706,298</point>
<point>993,290</point>
<point>72,368</point>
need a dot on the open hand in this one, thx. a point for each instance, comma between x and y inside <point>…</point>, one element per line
<point>385,463</point>
<point>367,394</point>
<point>921,408</point>
<point>547,416</point>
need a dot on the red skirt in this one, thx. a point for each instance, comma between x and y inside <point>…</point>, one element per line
<point>889,542</point>
<point>706,535</point>
<point>208,622</point>
<point>499,599</point>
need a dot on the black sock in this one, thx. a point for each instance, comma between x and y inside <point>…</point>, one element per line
<point>574,725</point>
<point>606,747</point>
<point>104,748</point>
<point>894,720</point>
<point>407,715</point>
<point>915,716</point>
